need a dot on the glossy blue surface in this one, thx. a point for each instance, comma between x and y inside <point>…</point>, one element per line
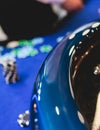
<point>53,106</point>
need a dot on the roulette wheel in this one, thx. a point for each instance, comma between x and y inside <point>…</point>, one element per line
<point>66,90</point>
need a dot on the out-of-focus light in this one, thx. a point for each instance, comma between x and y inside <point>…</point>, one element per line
<point>57,110</point>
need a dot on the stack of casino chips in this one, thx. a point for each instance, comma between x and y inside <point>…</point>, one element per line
<point>24,119</point>
<point>10,70</point>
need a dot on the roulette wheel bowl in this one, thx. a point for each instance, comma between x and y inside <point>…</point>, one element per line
<point>65,93</point>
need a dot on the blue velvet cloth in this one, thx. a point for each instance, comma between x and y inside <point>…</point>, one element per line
<point>15,98</point>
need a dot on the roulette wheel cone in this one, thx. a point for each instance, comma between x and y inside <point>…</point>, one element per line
<point>66,90</point>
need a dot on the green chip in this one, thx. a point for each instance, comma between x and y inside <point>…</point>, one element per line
<point>33,52</point>
<point>16,51</point>
<point>25,43</point>
<point>45,48</point>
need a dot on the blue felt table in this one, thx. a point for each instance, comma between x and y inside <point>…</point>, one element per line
<point>15,98</point>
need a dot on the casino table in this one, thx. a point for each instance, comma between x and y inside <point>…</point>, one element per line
<point>29,54</point>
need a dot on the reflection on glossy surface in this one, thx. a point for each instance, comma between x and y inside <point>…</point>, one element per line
<point>85,71</point>
<point>53,106</point>
<point>97,69</point>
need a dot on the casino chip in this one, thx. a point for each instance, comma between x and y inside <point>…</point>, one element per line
<point>23,119</point>
<point>12,44</point>
<point>10,70</point>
